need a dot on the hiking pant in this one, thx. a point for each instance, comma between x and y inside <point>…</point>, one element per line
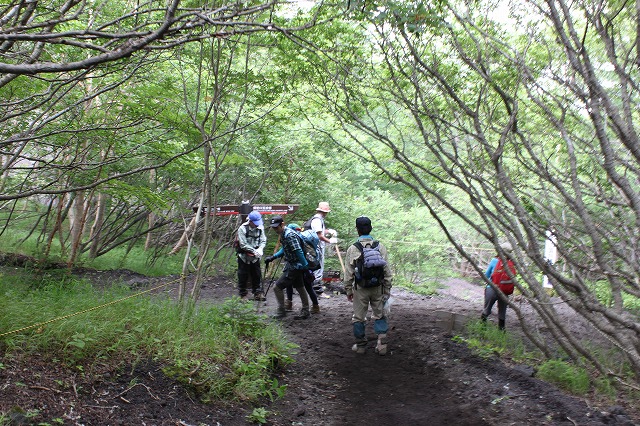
<point>319,273</point>
<point>308,278</point>
<point>362,299</point>
<point>249,272</point>
<point>291,278</point>
<point>490,298</point>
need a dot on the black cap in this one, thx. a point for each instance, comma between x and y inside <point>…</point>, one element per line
<point>362,222</point>
<point>276,221</point>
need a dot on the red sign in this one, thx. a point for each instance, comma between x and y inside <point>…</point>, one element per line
<point>280,209</point>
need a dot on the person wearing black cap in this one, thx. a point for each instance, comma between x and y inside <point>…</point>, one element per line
<point>295,266</point>
<point>364,292</point>
<point>251,243</point>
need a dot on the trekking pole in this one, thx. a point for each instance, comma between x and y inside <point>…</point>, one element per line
<point>340,258</point>
<point>272,279</point>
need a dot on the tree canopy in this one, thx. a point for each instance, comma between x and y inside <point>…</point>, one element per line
<point>512,124</point>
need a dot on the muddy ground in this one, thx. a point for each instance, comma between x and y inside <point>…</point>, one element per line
<point>426,378</point>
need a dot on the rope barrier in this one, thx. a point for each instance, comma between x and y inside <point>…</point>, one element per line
<point>113,302</point>
<point>422,243</point>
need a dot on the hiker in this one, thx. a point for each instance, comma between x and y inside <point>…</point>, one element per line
<point>367,281</point>
<point>251,242</point>
<point>295,266</point>
<point>308,279</point>
<point>498,275</point>
<point>317,225</point>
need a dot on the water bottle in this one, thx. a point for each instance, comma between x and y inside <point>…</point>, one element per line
<point>386,308</point>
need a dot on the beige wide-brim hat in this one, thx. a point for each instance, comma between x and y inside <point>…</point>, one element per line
<point>323,206</point>
<point>506,247</point>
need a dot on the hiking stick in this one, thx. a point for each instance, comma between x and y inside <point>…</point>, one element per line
<point>340,258</point>
<point>272,279</point>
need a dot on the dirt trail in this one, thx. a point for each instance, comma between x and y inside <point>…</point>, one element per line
<point>426,379</point>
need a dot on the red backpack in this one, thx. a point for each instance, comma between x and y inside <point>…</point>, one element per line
<point>501,278</point>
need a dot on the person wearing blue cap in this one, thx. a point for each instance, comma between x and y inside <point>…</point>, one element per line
<point>251,242</point>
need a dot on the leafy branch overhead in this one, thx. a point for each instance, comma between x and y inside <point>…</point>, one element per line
<point>36,38</point>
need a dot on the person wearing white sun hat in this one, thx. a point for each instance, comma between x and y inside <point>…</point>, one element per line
<point>318,226</point>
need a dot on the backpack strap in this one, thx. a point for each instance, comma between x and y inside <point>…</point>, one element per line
<point>360,247</point>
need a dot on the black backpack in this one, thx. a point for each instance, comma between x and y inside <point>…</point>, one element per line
<point>369,266</point>
<point>307,224</point>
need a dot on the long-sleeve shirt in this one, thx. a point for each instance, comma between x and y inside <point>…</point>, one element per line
<point>292,250</point>
<point>490,268</point>
<point>252,242</point>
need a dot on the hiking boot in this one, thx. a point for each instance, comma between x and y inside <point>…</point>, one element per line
<point>501,324</point>
<point>288,305</point>
<point>381,346</point>
<point>359,349</point>
<point>280,313</point>
<point>259,297</point>
<point>315,309</point>
<point>304,314</point>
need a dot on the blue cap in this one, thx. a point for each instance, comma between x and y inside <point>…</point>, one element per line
<point>256,218</point>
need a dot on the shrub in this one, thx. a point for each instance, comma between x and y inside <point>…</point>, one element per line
<point>567,376</point>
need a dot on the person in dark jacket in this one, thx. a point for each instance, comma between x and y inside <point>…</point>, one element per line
<point>308,279</point>
<point>295,266</point>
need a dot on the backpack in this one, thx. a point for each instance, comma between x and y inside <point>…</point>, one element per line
<point>307,224</point>
<point>369,266</point>
<point>309,244</point>
<point>501,278</point>
<point>236,243</point>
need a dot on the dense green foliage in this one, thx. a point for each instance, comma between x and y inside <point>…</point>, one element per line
<point>455,126</point>
<point>227,349</point>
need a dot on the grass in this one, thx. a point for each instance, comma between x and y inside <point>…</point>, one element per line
<point>135,259</point>
<point>225,351</point>
<point>425,288</point>
<point>486,340</point>
<point>565,375</point>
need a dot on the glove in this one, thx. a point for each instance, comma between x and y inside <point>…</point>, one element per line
<point>268,259</point>
<point>333,240</point>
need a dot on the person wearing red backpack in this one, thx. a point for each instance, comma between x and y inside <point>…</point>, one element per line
<point>497,273</point>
